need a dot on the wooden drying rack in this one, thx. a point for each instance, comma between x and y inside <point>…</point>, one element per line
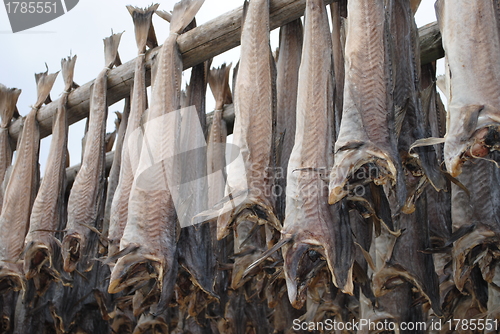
<point>197,45</point>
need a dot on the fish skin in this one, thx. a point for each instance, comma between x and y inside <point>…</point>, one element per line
<point>310,221</point>
<point>338,47</point>
<point>47,215</point>
<point>8,100</point>
<point>367,130</point>
<point>290,51</point>
<point>21,191</point>
<point>254,124</point>
<point>474,75</point>
<point>113,178</point>
<point>119,205</point>
<point>152,219</point>
<point>482,179</point>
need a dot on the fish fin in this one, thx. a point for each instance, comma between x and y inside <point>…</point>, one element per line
<point>426,142</point>
<point>8,101</point>
<point>127,250</point>
<point>142,23</point>
<point>266,254</point>
<point>367,257</point>
<point>457,183</point>
<point>111,44</point>
<point>68,69</point>
<point>167,16</point>
<point>44,83</point>
<point>183,14</point>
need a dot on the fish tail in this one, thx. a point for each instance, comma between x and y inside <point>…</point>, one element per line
<point>142,23</point>
<point>349,161</point>
<point>8,101</point>
<point>44,83</point>
<point>11,277</point>
<point>68,69</point>
<point>111,44</point>
<point>183,14</point>
<point>218,79</point>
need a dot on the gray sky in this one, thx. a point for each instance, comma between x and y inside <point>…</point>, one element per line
<point>80,32</point>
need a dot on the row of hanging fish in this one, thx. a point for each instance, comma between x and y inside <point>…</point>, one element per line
<point>336,199</point>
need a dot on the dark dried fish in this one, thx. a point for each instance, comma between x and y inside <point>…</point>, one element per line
<point>287,80</point>
<point>312,224</point>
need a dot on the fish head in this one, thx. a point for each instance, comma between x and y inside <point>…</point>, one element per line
<point>71,251</point>
<point>301,262</point>
<point>11,277</point>
<point>135,268</point>
<point>459,137</point>
<point>377,165</point>
<point>150,324</point>
<point>36,256</point>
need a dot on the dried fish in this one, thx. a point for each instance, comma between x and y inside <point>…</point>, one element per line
<point>314,226</point>
<point>8,100</point>
<point>367,134</point>
<point>114,173</point>
<point>254,125</point>
<point>471,38</point>
<point>86,197</point>
<point>21,191</point>
<point>131,143</point>
<point>152,220</point>
<point>47,214</point>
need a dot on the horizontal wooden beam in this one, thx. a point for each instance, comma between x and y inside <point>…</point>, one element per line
<point>197,45</point>
<point>431,47</point>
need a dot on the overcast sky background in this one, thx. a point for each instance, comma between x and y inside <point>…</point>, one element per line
<point>81,31</point>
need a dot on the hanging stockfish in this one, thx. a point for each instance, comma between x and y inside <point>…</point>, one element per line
<point>87,195</point>
<point>20,192</point>
<point>131,143</point>
<point>152,225</point>
<point>47,214</point>
<point>314,226</point>
<point>8,100</point>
